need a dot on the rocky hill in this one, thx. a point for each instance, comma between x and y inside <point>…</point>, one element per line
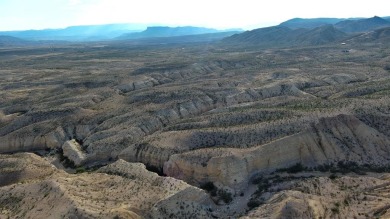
<point>281,36</point>
<point>320,35</point>
<point>306,32</point>
<point>309,23</point>
<point>377,36</point>
<point>34,188</point>
<point>362,25</point>
<point>341,138</point>
<point>323,197</point>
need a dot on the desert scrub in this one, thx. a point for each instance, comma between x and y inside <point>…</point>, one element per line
<point>296,168</point>
<point>225,196</point>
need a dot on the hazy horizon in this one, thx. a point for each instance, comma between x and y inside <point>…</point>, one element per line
<point>245,14</point>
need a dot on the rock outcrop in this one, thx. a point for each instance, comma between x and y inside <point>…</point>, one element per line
<point>344,197</point>
<point>72,150</point>
<point>120,189</point>
<point>340,138</point>
<point>26,139</point>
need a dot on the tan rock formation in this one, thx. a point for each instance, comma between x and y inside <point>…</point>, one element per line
<point>344,197</point>
<point>125,190</point>
<point>72,150</point>
<point>341,138</point>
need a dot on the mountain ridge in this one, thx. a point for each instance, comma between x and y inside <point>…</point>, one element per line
<point>165,31</point>
<point>77,33</point>
<point>296,23</point>
<point>362,25</point>
<point>282,35</point>
<point>141,31</point>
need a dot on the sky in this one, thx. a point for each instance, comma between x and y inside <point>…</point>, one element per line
<point>220,14</point>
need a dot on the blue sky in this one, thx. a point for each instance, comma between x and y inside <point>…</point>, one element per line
<point>221,14</point>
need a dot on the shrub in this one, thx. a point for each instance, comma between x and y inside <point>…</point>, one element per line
<point>225,196</point>
<point>208,186</point>
<point>298,167</point>
<point>387,67</point>
<point>253,204</point>
<point>80,170</point>
<point>335,210</point>
<point>333,176</point>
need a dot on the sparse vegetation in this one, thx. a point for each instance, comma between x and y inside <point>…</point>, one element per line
<point>189,111</point>
<point>225,196</point>
<point>296,168</point>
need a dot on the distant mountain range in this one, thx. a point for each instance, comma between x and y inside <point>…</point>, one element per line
<point>362,25</point>
<point>294,32</point>
<point>300,32</point>
<point>120,32</point>
<point>297,23</point>
<point>152,32</point>
<point>9,40</point>
<point>284,36</point>
<point>195,38</point>
<point>77,33</point>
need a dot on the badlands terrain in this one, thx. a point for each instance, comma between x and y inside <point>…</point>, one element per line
<point>198,130</point>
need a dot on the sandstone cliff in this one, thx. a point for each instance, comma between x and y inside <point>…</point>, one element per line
<point>340,138</point>
<point>72,150</point>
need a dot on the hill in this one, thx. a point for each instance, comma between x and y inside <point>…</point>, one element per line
<point>296,23</point>
<point>12,41</point>
<point>284,36</point>
<point>198,38</point>
<point>268,36</point>
<point>77,33</point>
<point>380,35</point>
<point>118,190</point>
<point>152,32</point>
<point>362,25</point>
<point>320,35</point>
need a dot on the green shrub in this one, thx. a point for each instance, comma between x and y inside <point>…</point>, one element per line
<point>80,170</point>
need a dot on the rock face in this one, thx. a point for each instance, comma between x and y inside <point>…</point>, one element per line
<point>121,189</point>
<point>72,150</point>
<point>147,154</point>
<point>183,201</point>
<point>340,138</point>
<point>344,197</point>
<point>26,139</point>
